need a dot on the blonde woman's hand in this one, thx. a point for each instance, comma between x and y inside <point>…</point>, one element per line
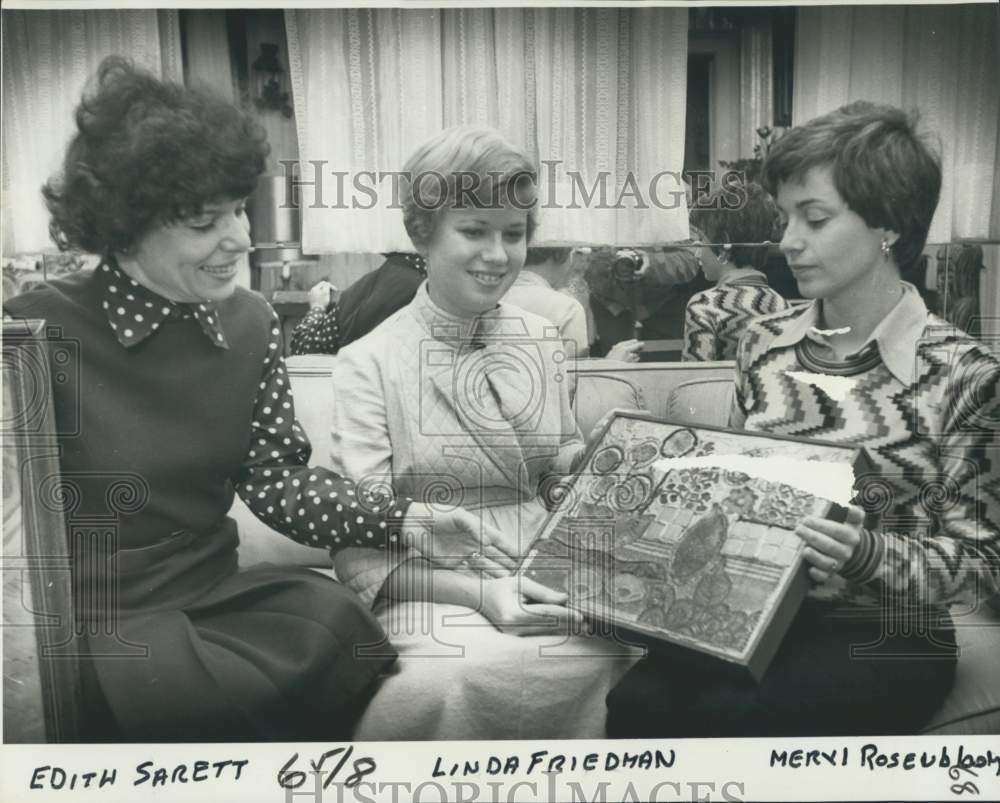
<point>523,607</point>
<point>830,544</point>
<point>455,539</point>
<point>626,350</point>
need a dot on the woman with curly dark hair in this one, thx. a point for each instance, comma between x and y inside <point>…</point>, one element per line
<point>182,397</point>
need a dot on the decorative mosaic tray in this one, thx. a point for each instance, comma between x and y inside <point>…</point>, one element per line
<point>697,558</point>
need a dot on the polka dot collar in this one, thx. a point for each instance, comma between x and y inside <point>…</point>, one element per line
<point>135,312</point>
<point>414,261</point>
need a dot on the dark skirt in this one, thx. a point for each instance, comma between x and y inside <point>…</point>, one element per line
<point>835,674</point>
<point>211,654</point>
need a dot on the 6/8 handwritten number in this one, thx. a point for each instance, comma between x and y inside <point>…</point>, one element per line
<point>293,779</point>
<point>955,773</point>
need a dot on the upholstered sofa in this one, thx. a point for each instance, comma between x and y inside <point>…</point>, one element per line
<point>694,393</point>
<point>39,703</point>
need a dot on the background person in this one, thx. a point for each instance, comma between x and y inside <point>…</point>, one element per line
<point>653,294</point>
<point>180,398</point>
<point>535,289</point>
<point>330,325</point>
<point>715,319</point>
<point>857,189</point>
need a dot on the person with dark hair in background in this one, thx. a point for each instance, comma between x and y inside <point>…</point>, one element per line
<point>716,318</point>
<point>330,325</point>
<point>182,400</point>
<point>872,649</point>
<point>645,287</point>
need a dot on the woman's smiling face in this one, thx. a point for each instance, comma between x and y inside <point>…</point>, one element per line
<point>195,259</point>
<point>474,256</point>
<point>829,247</point>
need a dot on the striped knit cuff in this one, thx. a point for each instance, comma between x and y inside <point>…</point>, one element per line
<point>864,563</point>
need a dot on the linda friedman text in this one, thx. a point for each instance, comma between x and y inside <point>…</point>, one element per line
<point>542,761</point>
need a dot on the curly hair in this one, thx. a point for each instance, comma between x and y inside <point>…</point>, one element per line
<point>465,165</point>
<point>884,171</point>
<point>147,153</point>
<point>738,213</point>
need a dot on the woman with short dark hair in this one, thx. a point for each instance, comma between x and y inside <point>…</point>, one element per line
<point>872,650</point>
<point>881,168</point>
<point>179,400</point>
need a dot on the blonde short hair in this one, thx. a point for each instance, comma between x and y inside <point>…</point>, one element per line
<point>461,167</point>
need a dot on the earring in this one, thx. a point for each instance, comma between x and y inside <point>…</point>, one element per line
<point>886,249</point>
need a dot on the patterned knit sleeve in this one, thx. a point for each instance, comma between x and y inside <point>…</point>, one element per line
<point>957,558</point>
<point>317,332</point>
<point>312,505</point>
<point>699,330</point>
<point>739,411</point>
<point>773,301</point>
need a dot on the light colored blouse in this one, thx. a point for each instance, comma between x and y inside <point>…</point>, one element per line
<point>454,411</point>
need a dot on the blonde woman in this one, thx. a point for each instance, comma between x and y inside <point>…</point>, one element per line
<point>461,398</point>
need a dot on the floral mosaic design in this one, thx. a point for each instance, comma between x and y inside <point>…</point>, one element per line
<point>678,443</point>
<point>607,459</point>
<point>782,505</point>
<point>644,453</point>
<point>698,556</point>
<point>632,493</point>
<point>601,485</point>
<point>741,500</point>
<point>689,488</point>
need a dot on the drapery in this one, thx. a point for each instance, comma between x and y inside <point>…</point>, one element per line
<point>756,83</point>
<point>47,58</point>
<point>594,92</point>
<point>208,60</point>
<point>940,60</point>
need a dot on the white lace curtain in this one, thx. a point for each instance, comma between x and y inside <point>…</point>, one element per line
<point>595,90</point>
<point>756,85</point>
<point>940,60</point>
<point>47,58</point>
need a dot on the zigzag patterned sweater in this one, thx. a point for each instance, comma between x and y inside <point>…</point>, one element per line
<point>716,318</point>
<point>932,535</point>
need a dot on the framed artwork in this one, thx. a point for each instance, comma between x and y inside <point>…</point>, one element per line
<point>682,538</point>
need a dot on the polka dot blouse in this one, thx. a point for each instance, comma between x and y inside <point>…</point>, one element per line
<point>312,505</point>
<point>317,332</point>
<point>361,307</point>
